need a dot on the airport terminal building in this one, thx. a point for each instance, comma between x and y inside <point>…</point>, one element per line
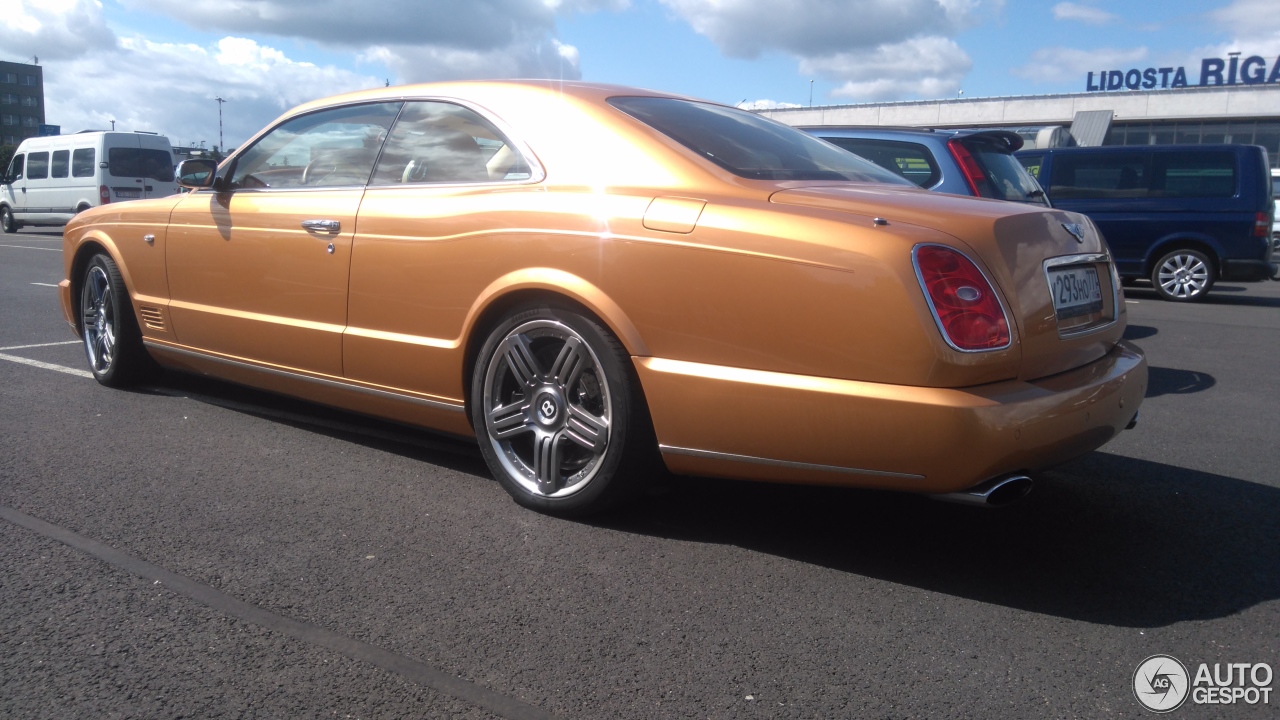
<point>1234,100</point>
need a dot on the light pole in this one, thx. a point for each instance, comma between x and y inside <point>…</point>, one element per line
<point>220,101</point>
<point>113,125</point>
<point>810,93</point>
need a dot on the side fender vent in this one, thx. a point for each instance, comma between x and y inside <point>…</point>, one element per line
<point>152,317</point>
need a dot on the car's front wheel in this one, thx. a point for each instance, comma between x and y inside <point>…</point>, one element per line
<point>1183,275</point>
<point>112,340</point>
<point>7,222</point>
<point>559,414</point>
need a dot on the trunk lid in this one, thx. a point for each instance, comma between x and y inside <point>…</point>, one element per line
<point>1019,246</point>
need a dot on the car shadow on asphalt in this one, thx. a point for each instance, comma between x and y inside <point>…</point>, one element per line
<point>1171,381</point>
<point>1105,539</point>
<point>1217,296</point>
<point>461,455</point>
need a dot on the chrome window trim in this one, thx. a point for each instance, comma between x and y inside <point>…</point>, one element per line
<point>1084,259</point>
<point>753,460</point>
<point>937,321</point>
<point>537,172</point>
<point>337,384</point>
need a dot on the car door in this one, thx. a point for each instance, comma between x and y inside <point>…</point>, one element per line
<point>259,270</point>
<point>15,190</point>
<point>432,207</point>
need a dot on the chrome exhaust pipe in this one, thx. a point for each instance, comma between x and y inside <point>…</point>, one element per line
<point>994,493</point>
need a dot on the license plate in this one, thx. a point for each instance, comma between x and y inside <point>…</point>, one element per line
<point>128,193</point>
<point>1075,291</point>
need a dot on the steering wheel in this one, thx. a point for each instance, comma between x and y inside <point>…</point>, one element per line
<point>317,171</point>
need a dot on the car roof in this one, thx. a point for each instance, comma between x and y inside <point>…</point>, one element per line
<point>881,132</point>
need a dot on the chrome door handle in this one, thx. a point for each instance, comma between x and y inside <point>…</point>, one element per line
<point>332,226</point>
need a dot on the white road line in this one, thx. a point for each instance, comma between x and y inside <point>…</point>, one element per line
<point>28,247</point>
<point>1130,302</point>
<point>24,347</point>
<point>46,284</point>
<point>46,366</point>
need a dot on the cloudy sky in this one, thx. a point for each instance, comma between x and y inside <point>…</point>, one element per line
<point>157,64</point>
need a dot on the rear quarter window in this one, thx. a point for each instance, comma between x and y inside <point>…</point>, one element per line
<point>82,162</point>
<point>910,161</point>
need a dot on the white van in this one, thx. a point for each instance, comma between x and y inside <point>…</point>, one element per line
<point>53,178</point>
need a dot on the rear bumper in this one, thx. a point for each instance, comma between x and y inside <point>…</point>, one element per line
<point>1248,270</point>
<point>729,422</point>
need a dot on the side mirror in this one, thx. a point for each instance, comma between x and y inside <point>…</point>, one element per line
<point>196,174</point>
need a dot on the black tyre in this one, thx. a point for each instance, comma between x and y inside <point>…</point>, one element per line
<point>557,408</point>
<point>1183,275</point>
<point>7,223</point>
<point>112,340</point>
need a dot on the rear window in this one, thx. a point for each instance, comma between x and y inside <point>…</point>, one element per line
<point>748,145</point>
<point>908,160</point>
<point>82,162</point>
<point>140,163</point>
<point>1144,175</point>
<point>1003,177</point>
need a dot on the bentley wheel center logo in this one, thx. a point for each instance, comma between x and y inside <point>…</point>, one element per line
<point>1161,683</point>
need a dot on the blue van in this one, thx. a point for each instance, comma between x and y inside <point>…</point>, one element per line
<point>1183,216</point>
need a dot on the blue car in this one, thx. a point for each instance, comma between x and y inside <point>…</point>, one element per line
<point>1183,216</point>
<point>961,162</point>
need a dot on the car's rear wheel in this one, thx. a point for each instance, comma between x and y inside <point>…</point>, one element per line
<point>558,412</point>
<point>7,222</point>
<point>1183,275</point>
<point>112,340</point>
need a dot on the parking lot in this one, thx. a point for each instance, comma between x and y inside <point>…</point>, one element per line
<point>195,549</point>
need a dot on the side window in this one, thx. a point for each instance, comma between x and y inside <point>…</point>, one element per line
<point>322,149</point>
<point>439,142</point>
<point>82,162</point>
<point>908,160</point>
<point>1031,163</point>
<point>1195,174</point>
<point>1101,176</point>
<point>61,159</point>
<point>15,167</point>
<point>38,166</point>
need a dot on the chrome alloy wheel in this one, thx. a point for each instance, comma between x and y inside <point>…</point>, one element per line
<point>547,408</point>
<point>98,317</point>
<point>1183,275</point>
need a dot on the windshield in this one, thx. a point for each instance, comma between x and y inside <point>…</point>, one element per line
<point>138,163</point>
<point>748,145</point>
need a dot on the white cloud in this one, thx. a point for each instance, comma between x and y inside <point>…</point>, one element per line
<point>1254,26</point>
<point>747,28</point>
<point>873,49</point>
<point>1082,13</point>
<point>1060,64</point>
<point>419,41</point>
<point>766,105</point>
<point>170,88</point>
<point>925,67</point>
<point>52,29</point>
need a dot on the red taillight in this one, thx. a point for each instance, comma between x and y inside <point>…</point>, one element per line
<point>1262,225</point>
<point>104,194</point>
<point>969,167</point>
<point>964,303</point>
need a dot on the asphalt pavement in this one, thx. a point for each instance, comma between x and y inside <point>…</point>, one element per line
<point>191,549</point>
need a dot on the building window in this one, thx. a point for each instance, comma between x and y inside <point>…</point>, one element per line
<point>9,78</point>
<point>11,120</point>
<point>8,99</point>
<point>11,140</point>
<point>30,121</point>
<point>29,80</point>
<point>30,102</point>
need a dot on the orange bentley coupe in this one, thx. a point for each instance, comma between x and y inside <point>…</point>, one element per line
<point>593,281</point>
